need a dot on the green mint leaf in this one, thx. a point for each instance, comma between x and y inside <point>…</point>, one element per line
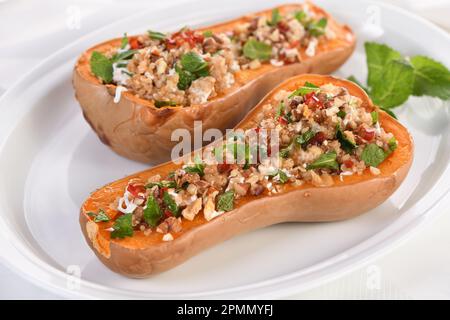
<point>193,63</point>
<point>302,17</point>
<point>123,56</point>
<point>185,78</point>
<point>192,67</point>
<point>304,138</point>
<point>101,67</point>
<point>393,144</point>
<point>280,110</point>
<point>284,153</point>
<point>225,201</point>
<point>378,56</point>
<point>346,144</point>
<point>197,168</point>
<point>122,227</point>
<point>431,78</point>
<point>325,161</point>
<point>207,33</point>
<point>160,104</point>
<point>308,87</point>
<point>171,204</point>
<point>152,212</point>
<point>283,178</point>
<point>341,114</point>
<point>373,155</point>
<point>317,28</point>
<point>276,17</point>
<point>101,216</point>
<point>124,41</point>
<point>375,117</point>
<point>254,49</point>
<point>156,35</point>
<point>162,184</point>
<point>395,86</point>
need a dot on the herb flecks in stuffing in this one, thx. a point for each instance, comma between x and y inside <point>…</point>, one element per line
<point>323,131</point>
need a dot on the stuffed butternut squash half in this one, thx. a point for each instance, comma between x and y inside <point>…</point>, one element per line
<point>134,91</point>
<point>314,149</point>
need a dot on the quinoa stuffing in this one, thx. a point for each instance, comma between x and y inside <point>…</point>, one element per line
<point>190,67</point>
<point>315,135</point>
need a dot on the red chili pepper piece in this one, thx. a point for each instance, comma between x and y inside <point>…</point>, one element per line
<point>366,134</point>
<point>283,27</point>
<point>134,43</point>
<point>184,36</point>
<point>312,101</point>
<point>319,138</point>
<point>167,214</point>
<point>135,190</point>
<point>223,167</point>
<point>348,163</point>
<point>283,121</point>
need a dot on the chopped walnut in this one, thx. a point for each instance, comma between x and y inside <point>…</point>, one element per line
<point>192,210</point>
<point>210,206</point>
<point>169,225</point>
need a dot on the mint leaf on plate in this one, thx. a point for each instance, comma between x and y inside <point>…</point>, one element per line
<point>431,78</point>
<point>395,85</point>
<point>378,56</point>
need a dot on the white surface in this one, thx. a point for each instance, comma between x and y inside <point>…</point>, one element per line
<point>307,240</point>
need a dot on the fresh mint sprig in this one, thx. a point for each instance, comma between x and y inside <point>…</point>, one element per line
<point>393,78</point>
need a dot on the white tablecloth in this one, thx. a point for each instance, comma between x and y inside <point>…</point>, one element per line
<point>420,268</point>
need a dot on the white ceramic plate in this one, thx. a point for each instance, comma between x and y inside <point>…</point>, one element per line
<point>50,160</point>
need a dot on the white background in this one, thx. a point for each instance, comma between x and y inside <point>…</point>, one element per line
<point>31,30</point>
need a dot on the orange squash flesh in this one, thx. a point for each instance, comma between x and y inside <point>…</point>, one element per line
<point>140,255</point>
<point>134,128</point>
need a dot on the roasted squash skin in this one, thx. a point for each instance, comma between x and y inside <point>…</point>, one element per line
<point>140,256</point>
<point>137,130</point>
